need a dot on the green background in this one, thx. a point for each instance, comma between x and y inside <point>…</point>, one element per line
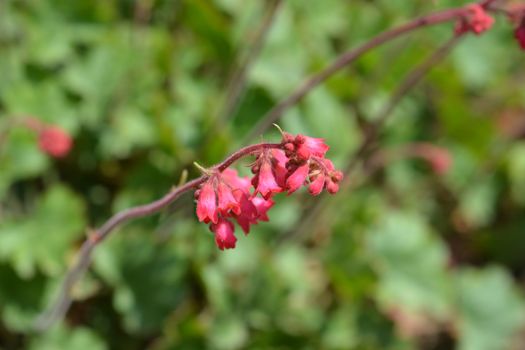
<point>406,259</point>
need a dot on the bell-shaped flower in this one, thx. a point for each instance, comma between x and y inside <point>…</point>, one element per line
<point>224,234</point>
<point>207,204</point>
<point>317,185</point>
<point>265,181</point>
<point>297,178</point>
<point>279,160</point>
<point>231,177</point>
<point>248,213</point>
<point>227,202</point>
<point>262,205</point>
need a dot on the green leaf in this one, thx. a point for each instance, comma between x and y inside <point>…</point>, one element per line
<point>490,309</point>
<point>411,264</point>
<point>21,300</point>
<point>147,278</point>
<point>20,158</point>
<point>42,239</point>
<point>60,337</point>
<point>477,203</point>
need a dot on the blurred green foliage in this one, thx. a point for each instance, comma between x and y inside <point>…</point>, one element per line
<point>408,260</point>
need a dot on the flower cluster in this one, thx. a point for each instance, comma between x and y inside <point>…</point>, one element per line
<point>476,20</point>
<point>225,197</point>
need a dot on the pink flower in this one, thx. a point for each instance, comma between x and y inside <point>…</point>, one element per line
<point>279,161</point>
<point>235,181</point>
<point>303,147</point>
<point>262,206</point>
<point>54,141</point>
<point>519,34</point>
<point>224,234</point>
<point>317,185</point>
<point>332,187</point>
<point>299,160</point>
<point>297,178</point>
<point>248,213</point>
<point>226,200</point>
<point>207,204</point>
<point>316,147</point>
<point>475,20</point>
<point>265,181</point>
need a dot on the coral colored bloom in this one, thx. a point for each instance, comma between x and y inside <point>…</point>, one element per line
<point>266,184</point>
<point>224,236</point>
<point>297,178</point>
<point>476,20</point>
<point>262,205</point>
<point>303,147</point>
<point>296,161</point>
<point>207,204</point>
<point>317,185</point>
<point>226,200</point>
<point>235,181</point>
<point>315,146</point>
<point>248,214</point>
<point>332,187</point>
<point>54,141</point>
<point>519,34</point>
<point>279,161</point>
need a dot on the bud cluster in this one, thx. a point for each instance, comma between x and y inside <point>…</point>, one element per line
<point>299,160</point>
<point>476,20</point>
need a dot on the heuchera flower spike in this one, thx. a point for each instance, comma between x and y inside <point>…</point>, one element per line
<point>299,160</point>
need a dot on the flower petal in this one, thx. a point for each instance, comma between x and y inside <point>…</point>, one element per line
<point>207,204</point>
<point>226,200</point>
<point>317,185</point>
<point>297,178</point>
<point>262,205</point>
<point>315,146</point>
<point>266,184</point>
<point>224,234</point>
<point>231,177</point>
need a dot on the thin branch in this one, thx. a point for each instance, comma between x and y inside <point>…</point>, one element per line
<point>60,307</point>
<point>411,80</point>
<point>348,57</point>
<point>237,80</point>
<point>414,77</point>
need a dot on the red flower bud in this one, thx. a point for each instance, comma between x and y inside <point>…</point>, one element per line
<point>54,141</point>
<point>316,186</point>
<point>224,234</point>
